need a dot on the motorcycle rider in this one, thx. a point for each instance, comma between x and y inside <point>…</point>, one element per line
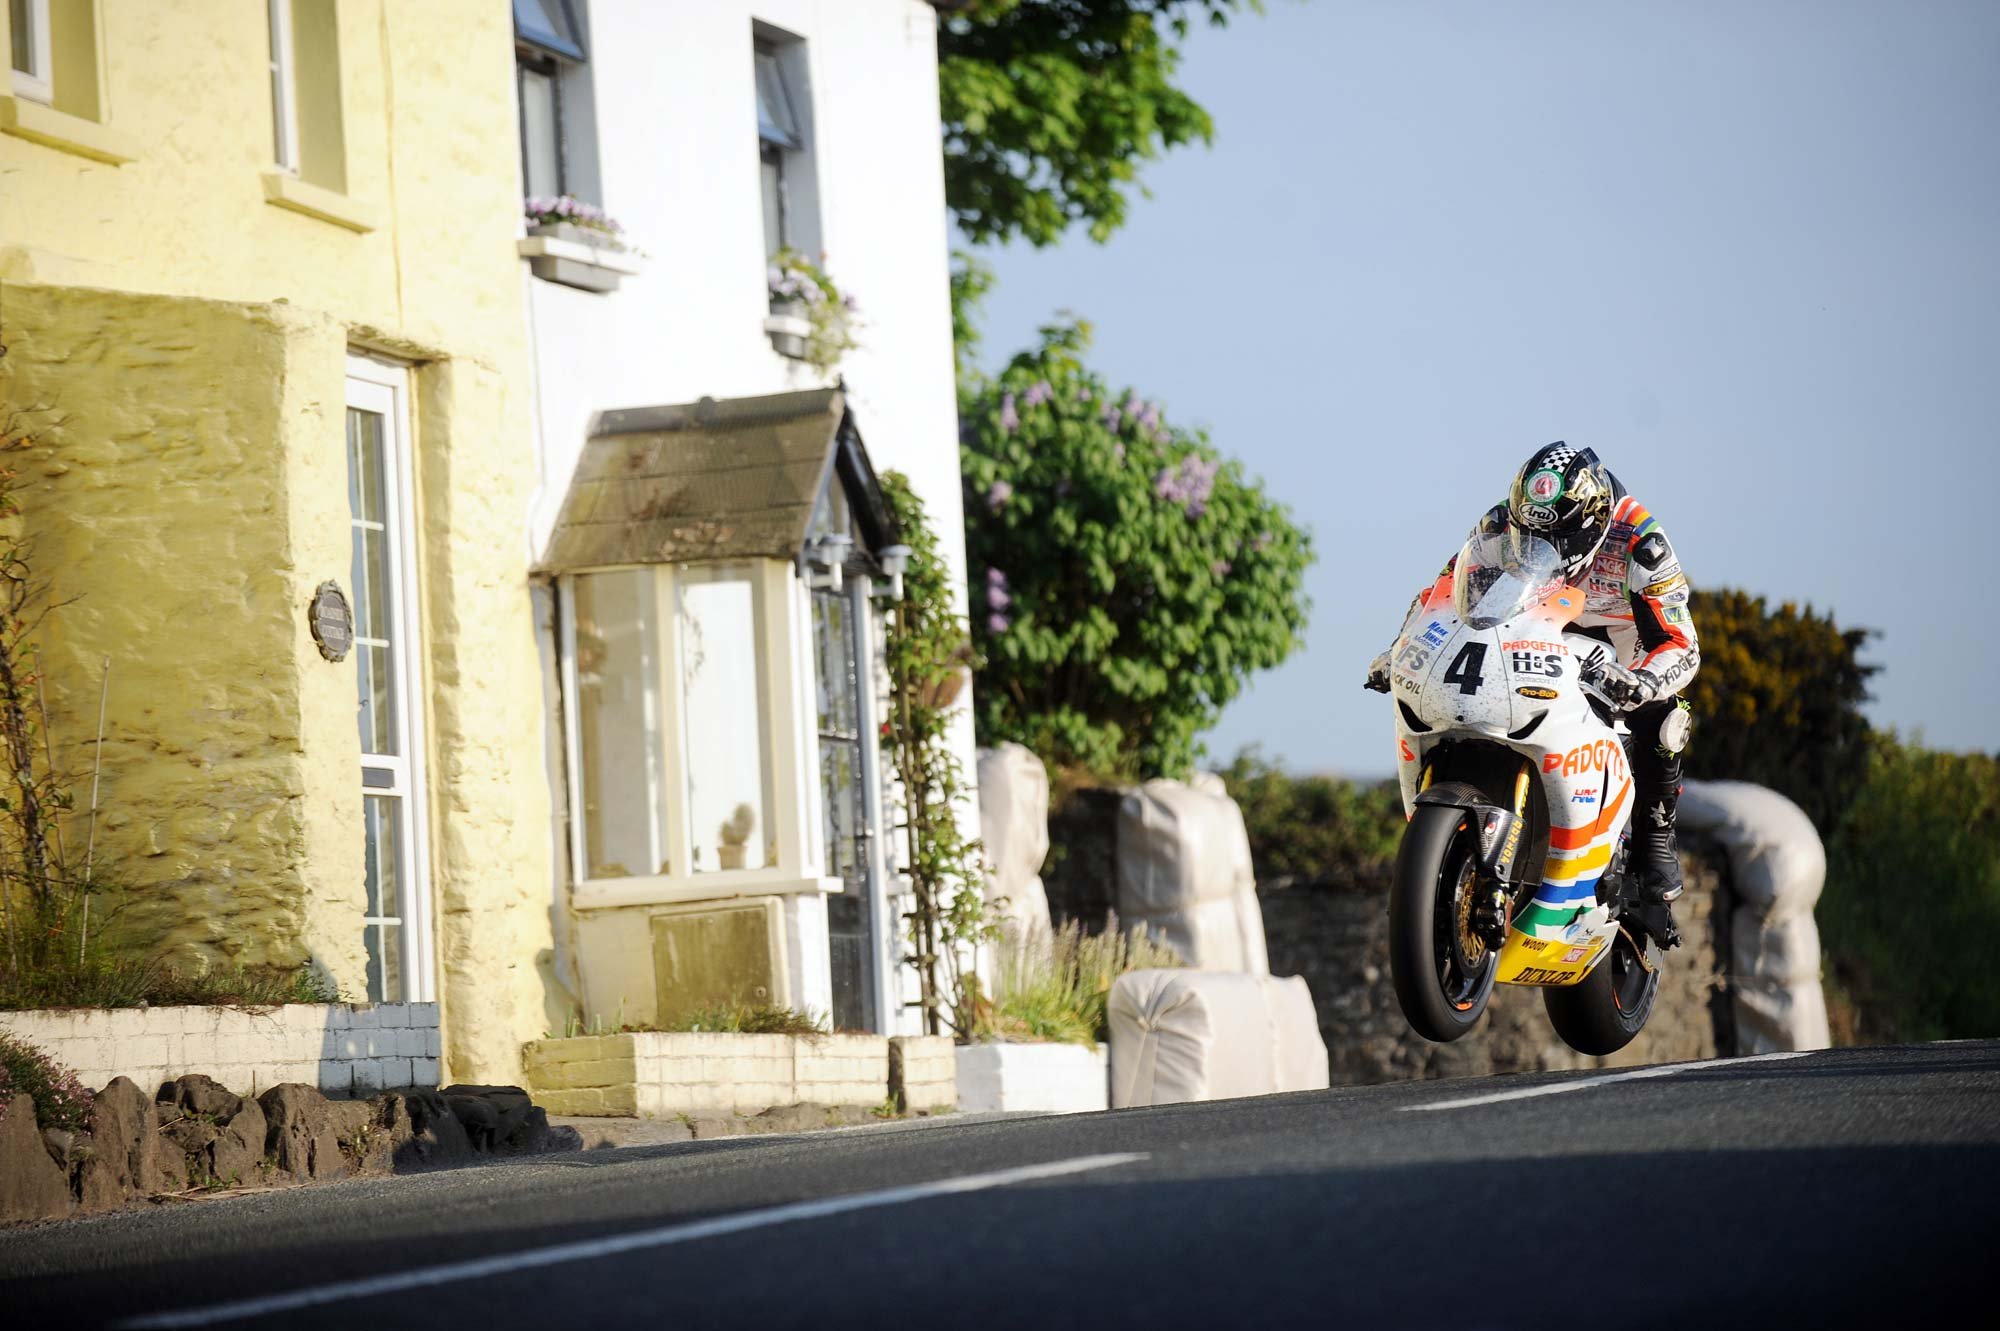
<point>1636,600</point>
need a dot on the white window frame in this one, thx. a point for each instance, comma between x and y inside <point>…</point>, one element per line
<point>37,84</point>
<point>284,86</point>
<point>384,387</point>
<point>791,753</point>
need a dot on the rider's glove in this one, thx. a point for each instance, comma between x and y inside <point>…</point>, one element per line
<point>1626,689</point>
<point>1378,674</point>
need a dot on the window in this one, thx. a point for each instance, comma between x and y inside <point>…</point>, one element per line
<point>778,136</point>
<point>551,81</point>
<point>670,678</point>
<point>396,910</point>
<point>308,139</point>
<point>28,23</point>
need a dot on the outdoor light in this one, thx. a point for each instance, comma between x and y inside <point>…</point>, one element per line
<point>826,558</point>
<point>894,559</point>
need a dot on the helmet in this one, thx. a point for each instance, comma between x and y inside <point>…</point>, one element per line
<point>1563,495</point>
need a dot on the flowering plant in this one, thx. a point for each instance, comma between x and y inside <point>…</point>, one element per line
<point>61,1101</point>
<point>588,216</point>
<point>797,281</point>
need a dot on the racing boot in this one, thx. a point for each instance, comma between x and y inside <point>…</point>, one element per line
<point>1659,731</point>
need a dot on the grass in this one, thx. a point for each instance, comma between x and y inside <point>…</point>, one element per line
<point>123,982</point>
<point>738,1018</point>
<point>1053,987</point>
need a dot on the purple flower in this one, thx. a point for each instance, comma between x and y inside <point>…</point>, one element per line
<point>1010,419</point>
<point>1262,543</point>
<point>1038,393</point>
<point>1149,416</point>
<point>997,494</point>
<point>1118,451</point>
<point>1083,394</point>
<point>995,578</point>
<point>1111,417</point>
<point>1220,568</point>
<point>997,622</point>
<point>1189,484</point>
<point>998,598</point>
<point>849,304</point>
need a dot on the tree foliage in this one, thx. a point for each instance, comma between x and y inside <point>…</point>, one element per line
<point>1050,105</point>
<point>1778,701</point>
<point>1912,900</point>
<point>1318,829</point>
<point>1126,580</point>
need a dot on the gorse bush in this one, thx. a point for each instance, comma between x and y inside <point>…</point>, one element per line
<point>1912,901</point>
<point>1126,579</point>
<point>1054,987</point>
<point>61,1101</point>
<point>1317,829</point>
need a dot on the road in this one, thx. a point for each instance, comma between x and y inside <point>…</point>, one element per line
<point>1827,1189</point>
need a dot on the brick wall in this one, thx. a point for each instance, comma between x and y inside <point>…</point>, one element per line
<point>661,1074</point>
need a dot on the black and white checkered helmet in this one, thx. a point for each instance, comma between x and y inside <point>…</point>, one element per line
<point>1563,495</point>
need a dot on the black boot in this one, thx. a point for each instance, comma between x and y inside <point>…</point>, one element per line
<point>1655,864</point>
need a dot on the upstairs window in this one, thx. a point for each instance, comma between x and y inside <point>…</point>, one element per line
<point>28,25</point>
<point>307,136</point>
<point>551,73</point>
<point>779,136</point>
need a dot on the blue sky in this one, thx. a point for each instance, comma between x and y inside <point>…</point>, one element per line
<point>1749,251</point>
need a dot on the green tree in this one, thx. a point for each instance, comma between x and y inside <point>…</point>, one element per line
<point>1126,580</point>
<point>1050,105</point>
<point>1778,702</point>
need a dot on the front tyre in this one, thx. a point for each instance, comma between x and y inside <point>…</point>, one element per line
<point>1443,970</point>
<point>1611,1005</point>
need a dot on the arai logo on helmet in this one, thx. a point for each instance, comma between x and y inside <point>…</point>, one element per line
<point>1541,492</point>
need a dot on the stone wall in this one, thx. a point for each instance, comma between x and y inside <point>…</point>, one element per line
<point>1337,937</point>
<point>663,1075</point>
<point>338,1048</point>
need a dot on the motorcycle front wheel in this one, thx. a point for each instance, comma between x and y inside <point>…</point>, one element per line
<point>1603,1014</point>
<point>1442,969</point>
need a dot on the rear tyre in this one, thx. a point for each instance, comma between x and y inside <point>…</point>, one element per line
<point>1602,1014</point>
<point>1443,973</point>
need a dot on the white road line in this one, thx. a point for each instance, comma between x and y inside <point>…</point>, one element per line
<point>613,1244</point>
<point>1587,1083</point>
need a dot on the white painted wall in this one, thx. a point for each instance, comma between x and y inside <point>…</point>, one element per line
<point>677,146</point>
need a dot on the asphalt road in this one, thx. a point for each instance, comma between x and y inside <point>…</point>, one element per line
<point>1830,1189</point>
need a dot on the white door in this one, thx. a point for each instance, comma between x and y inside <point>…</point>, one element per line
<point>388,691</point>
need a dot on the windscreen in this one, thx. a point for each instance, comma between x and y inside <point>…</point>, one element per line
<point>1501,574</point>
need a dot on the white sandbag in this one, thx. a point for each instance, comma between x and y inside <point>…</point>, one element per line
<point>1773,1018</point>
<point>1778,951</point>
<point>1182,852</point>
<point>1014,830</point>
<point>1776,860</point>
<point>1179,1035</point>
<point>1209,783</point>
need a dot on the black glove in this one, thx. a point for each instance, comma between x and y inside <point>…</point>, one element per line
<point>1378,674</point>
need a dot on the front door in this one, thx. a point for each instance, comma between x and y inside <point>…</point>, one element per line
<point>837,642</point>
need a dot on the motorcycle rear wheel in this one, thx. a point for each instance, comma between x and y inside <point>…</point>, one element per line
<point>1442,984</point>
<point>1611,1006</point>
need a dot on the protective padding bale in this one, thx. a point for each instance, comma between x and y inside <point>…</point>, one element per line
<point>1779,952</point>
<point>1776,861</point>
<point>1184,873</point>
<point>1772,1018</point>
<point>1179,1035</point>
<point>1014,829</point>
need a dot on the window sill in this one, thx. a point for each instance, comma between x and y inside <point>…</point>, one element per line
<point>28,119</point>
<point>286,190</point>
<point>574,263</point>
<point>610,893</point>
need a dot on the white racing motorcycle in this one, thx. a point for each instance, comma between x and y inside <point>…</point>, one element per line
<point>1512,867</point>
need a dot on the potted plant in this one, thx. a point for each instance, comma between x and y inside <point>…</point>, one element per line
<point>576,243</point>
<point>810,319</point>
<point>735,834</point>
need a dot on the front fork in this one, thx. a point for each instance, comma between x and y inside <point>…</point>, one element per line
<point>1500,834</point>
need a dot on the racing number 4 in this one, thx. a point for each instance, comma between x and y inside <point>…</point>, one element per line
<point>1468,668</point>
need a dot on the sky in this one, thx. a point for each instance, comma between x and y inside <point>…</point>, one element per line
<point>1749,251</point>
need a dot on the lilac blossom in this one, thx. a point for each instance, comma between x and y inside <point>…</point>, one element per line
<point>998,494</point>
<point>1038,393</point>
<point>1190,484</point>
<point>997,622</point>
<point>1010,419</point>
<point>996,590</point>
<point>1220,568</point>
<point>1111,417</point>
<point>1083,393</point>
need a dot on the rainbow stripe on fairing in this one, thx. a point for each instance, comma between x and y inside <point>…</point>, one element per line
<point>1577,859</point>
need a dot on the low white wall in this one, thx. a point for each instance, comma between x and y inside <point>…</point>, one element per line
<point>923,1072</point>
<point>1039,1078</point>
<point>663,1075</point>
<point>337,1047</point>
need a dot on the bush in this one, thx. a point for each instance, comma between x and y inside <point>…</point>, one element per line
<point>60,1099</point>
<point>1054,988</point>
<point>1778,701</point>
<point>1126,580</point>
<point>1912,902</point>
<point>1318,829</point>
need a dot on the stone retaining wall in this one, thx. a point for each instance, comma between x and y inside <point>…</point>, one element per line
<point>666,1074</point>
<point>340,1048</point>
<point>923,1073</point>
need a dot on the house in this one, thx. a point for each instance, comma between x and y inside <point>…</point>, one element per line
<point>321,437</point>
<point>713,561</point>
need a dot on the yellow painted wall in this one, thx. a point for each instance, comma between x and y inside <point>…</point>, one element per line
<point>191,338</point>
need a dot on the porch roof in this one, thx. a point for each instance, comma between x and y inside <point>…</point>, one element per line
<point>724,478</point>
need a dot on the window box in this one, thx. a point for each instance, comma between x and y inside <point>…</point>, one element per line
<point>577,256</point>
<point>788,328</point>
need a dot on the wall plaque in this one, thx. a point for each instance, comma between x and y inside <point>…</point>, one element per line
<point>332,621</point>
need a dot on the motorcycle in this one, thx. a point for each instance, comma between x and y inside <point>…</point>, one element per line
<point>1512,868</point>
